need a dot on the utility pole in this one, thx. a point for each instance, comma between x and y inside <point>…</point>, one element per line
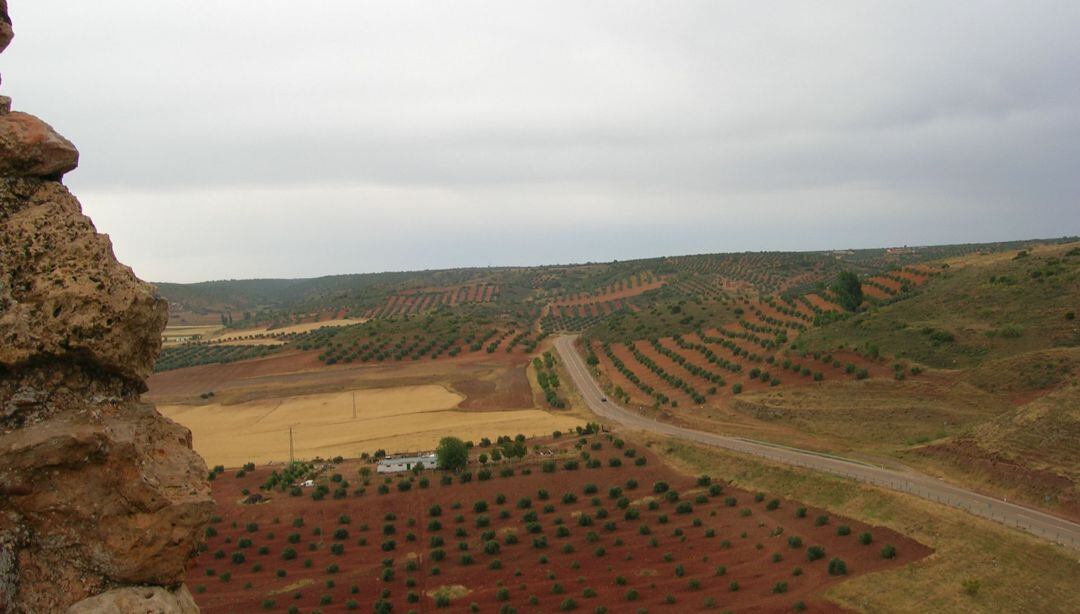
<point>290,445</point>
<point>354,405</point>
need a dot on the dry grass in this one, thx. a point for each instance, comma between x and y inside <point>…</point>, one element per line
<point>1014,572</point>
<point>877,416</point>
<point>404,418</point>
<point>1031,454</point>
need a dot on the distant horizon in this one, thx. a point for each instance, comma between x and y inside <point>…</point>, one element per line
<point>1062,238</point>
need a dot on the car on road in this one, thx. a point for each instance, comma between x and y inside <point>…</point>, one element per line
<point>603,399</point>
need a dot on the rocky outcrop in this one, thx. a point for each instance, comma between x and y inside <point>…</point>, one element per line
<point>102,500</point>
<point>6,34</point>
<point>64,295</point>
<point>141,599</point>
<point>31,148</point>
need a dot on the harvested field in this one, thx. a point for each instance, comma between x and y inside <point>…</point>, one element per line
<point>175,335</point>
<point>536,541</point>
<point>185,317</point>
<point>284,330</point>
<point>397,419</point>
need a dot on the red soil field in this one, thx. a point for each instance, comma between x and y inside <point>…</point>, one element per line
<point>797,280</point>
<point>787,377</point>
<point>199,379</point>
<point>421,299</point>
<point>292,368</point>
<point>610,294</point>
<point>771,312</point>
<point>637,396</point>
<point>511,389</point>
<point>753,318</point>
<point>625,565</point>
<point>916,277</point>
<point>624,354</point>
<point>891,284</point>
<point>875,293</point>
<point>673,368</point>
<point>822,303</point>
<point>743,377</point>
<point>921,269</point>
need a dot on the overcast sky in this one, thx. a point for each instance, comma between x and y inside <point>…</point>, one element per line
<point>264,138</point>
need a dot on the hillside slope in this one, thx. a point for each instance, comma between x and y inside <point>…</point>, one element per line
<point>1032,453</point>
<point>980,308</point>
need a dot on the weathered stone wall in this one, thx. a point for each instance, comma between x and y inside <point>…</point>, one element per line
<point>102,500</point>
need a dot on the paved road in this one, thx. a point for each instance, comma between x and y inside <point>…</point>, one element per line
<point>1043,525</point>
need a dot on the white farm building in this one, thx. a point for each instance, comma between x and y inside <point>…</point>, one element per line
<point>406,463</point>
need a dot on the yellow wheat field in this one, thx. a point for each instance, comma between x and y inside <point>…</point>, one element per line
<point>293,328</point>
<point>399,419</point>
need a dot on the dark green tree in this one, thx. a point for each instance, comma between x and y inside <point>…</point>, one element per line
<point>848,290</point>
<point>452,454</point>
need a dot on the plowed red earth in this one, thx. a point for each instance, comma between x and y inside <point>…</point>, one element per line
<point>624,354</point>
<point>621,563</point>
<point>876,293</point>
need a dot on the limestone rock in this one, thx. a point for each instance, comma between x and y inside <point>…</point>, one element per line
<point>6,34</point>
<point>100,495</point>
<point>107,496</point>
<point>31,148</point>
<point>63,295</point>
<point>138,600</point>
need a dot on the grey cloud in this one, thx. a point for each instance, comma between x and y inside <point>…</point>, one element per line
<point>648,127</point>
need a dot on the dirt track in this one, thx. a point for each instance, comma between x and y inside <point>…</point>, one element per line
<point>1043,525</point>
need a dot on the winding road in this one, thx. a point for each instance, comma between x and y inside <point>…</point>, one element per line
<point>1051,528</point>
